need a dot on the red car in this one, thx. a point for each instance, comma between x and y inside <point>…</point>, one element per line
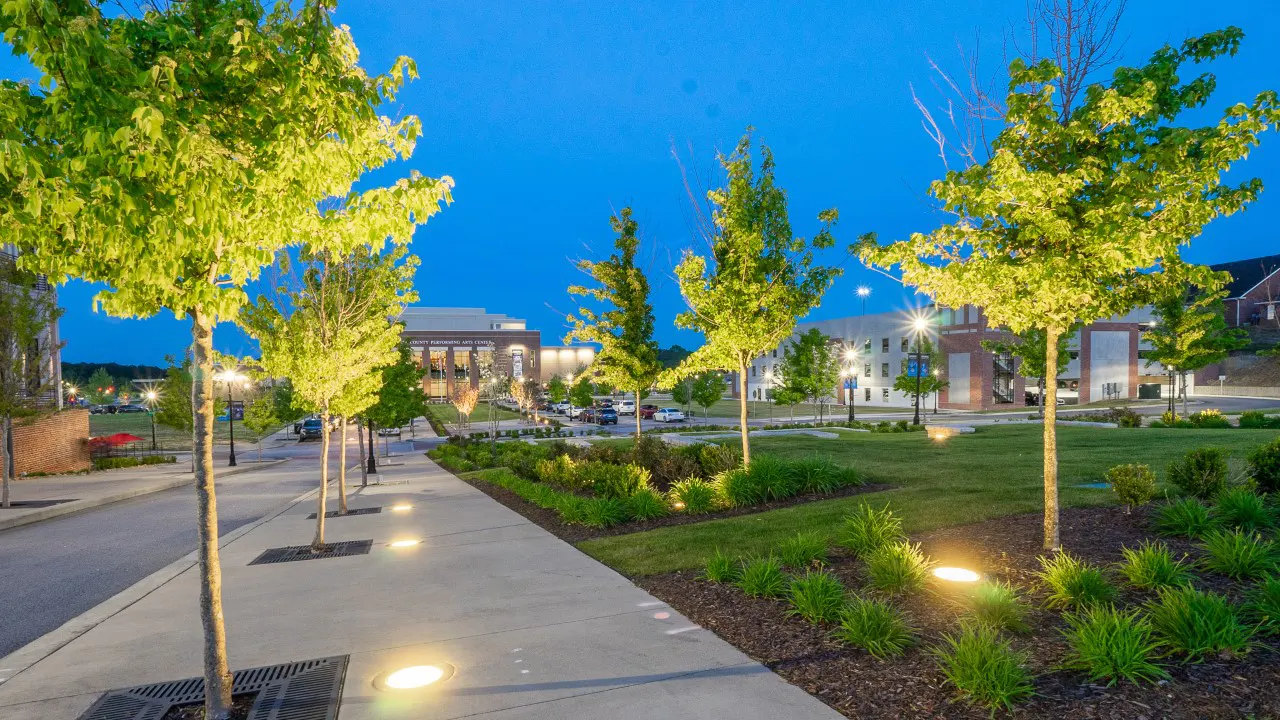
<point>647,411</point>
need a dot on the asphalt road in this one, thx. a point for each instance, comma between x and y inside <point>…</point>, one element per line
<point>52,571</point>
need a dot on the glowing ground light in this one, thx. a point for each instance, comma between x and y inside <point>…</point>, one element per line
<point>413,677</point>
<point>678,505</point>
<point>401,508</point>
<point>404,543</point>
<point>955,574</point>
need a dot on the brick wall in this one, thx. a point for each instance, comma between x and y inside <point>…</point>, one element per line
<point>53,443</point>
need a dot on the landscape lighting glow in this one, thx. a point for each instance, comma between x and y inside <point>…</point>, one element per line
<point>678,505</point>
<point>401,508</point>
<point>955,574</point>
<point>404,543</point>
<point>412,677</point>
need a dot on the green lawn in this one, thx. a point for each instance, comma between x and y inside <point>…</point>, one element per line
<point>727,408</point>
<point>446,414</point>
<point>167,438</point>
<point>970,478</point>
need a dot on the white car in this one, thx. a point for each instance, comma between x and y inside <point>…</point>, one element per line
<point>626,407</point>
<point>669,415</point>
<point>560,408</point>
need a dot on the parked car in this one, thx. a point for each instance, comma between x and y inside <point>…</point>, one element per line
<point>312,429</point>
<point>669,415</point>
<point>647,411</point>
<point>606,416</point>
<point>99,410</point>
<point>131,409</point>
<point>560,408</point>
<point>389,431</point>
<point>580,414</point>
<point>627,407</point>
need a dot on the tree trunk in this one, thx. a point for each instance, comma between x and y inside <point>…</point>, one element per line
<point>1173,394</point>
<point>1183,373</point>
<point>217,675</point>
<point>4,461</point>
<point>373,451</point>
<point>317,543</point>
<point>637,409</point>
<point>1051,537</point>
<point>1040,400</point>
<point>364,471</point>
<point>342,467</point>
<point>742,413</point>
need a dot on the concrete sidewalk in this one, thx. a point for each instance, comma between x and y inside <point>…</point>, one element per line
<point>102,487</point>
<point>534,628</point>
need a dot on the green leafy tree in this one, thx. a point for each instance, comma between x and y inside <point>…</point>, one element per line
<point>929,383</point>
<point>401,398</point>
<point>581,394</point>
<point>28,385</point>
<point>260,417</point>
<point>173,400</point>
<point>682,393</point>
<point>100,387</point>
<point>556,390</point>
<point>356,397</point>
<point>628,355</point>
<point>745,298</point>
<point>328,332</point>
<point>169,153</point>
<point>286,409</point>
<point>707,389</point>
<point>1080,205</point>
<point>1031,348</point>
<point>1191,332</point>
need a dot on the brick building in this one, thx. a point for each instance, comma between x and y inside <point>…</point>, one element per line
<point>1253,293</point>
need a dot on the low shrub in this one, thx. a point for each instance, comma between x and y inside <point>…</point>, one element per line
<point>604,512</point>
<point>1134,484</point>
<point>1264,465</point>
<point>1257,419</point>
<point>1074,583</point>
<point>1186,517</point>
<point>1151,566</point>
<point>803,550</point>
<point>1200,473</point>
<point>820,475</point>
<point>1242,508</point>
<point>721,568</point>
<point>773,478</point>
<point>671,469</point>
<point>867,529</point>
<point>1209,418</point>
<point>817,596</point>
<point>898,567</point>
<point>716,459</point>
<point>1238,554</point>
<point>613,481</point>
<point>1262,605</point>
<point>694,496</point>
<point>561,470</point>
<point>983,667</point>
<point>739,488</point>
<point>1113,645</point>
<point>762,577</point>
<point>646,504</point>
<point>1198,624</point>
<point>876,626</point>
<point>998,604</point>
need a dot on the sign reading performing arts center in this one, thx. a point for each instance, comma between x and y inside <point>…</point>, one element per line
<point>455,343</point>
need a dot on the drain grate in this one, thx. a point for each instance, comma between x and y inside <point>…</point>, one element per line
<point>306,690</point>
<point>353,511</point>
<point>22,504</point>
<point>303,552</point>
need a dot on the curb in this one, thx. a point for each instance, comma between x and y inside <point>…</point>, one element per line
<point>25,657</point>
<point>82,505</point>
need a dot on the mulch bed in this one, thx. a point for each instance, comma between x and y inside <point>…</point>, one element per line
<point>549,520</point>
<point>911,686</point>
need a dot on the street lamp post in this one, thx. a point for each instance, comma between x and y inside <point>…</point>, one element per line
<point>920,325</point>
<point>151,413</point>
<point>863,292</point>
<point>231,377</point>
<point>850,377</point>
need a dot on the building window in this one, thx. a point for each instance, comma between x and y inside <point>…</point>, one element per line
<point>905,344</point>
<point>461,364</point>
<point>1271,312</point>
<point>903,371</point>
<point>775,352</point>
<point>884,344</point>
<point>1002,378</point>
<point>884,370</point>
<point>436,372</point>
<point>866,371</point>
<point>753,371</point>
<point>866,346</point>
<point>867,396</point>
<point>884,395</point>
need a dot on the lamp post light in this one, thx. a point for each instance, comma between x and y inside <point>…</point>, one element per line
<point>920,325</point>
<point>851,379</point>
<point>151,413</point>
<point>863,292</point>
<point>768,385</point>
<point>231,377</point>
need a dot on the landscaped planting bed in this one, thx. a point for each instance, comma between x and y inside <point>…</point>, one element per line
<point>870,631</point>
<point>580,493</point>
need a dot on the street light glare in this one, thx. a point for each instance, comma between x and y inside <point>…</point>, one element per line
<point>863,291</point>
<point>920,324</point>
<point>850,354</point>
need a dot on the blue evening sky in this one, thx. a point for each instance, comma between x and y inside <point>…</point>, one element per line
<point>552,115</point>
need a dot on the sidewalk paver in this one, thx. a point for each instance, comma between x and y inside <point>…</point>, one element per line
<point>535,628</point>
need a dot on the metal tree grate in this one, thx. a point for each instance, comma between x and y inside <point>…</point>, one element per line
<point>353,511</point>
<point>303,552</point>
<point>306,690</point>
<point>22,504</point>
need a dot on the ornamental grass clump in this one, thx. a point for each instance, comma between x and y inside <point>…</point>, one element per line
<point>1242,508</point>
<point>762,577</point>
<point>693,496</point>
<point>1074,583</point>
<point>820,475</point>
<point>875,625</point>
<point>817,596</point>
<point>604,512</point>
<point>1198,624</point>
<point>1200,473</point>
<point>646,504</point>
<point>739,488</point>
<point>1239,555</point>
<point>803,550</point>
<point>1152,565</point>
<point>898,567</point>
<point>1262,605</point>
<point>1134,484</point>
<point>867,529</point>
<point>721,568</point>
<point>1186,517</point>
<point>1113,645</point>
<point>998,604</point>
<point>773,478</point>
<point>983,666</point>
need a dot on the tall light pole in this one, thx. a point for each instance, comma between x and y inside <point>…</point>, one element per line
<point>768,385</point>
<point>851,379</point>
<point>863,292</point>
<point>151,413</point>
<point>920,325</point>
<point>231,377</point>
